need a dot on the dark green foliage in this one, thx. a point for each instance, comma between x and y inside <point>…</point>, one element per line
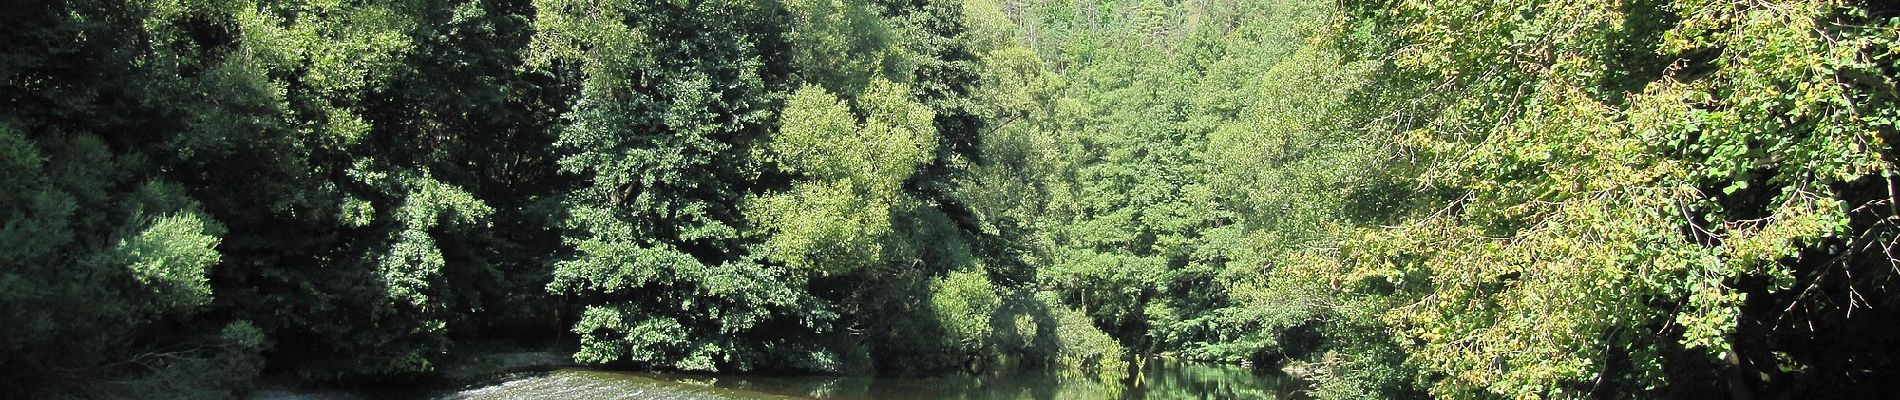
<point>356,188</point>
<point>302,200</point>
<point>107,263</point>
<point>1392,198</point>
<point>670,104</point>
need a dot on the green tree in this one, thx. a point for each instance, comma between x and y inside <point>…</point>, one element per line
<point>1636,184</point>
<point>673,96</point>
<point>836,222</point>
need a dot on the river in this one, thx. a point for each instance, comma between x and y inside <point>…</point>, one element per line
<point>1159,379</point>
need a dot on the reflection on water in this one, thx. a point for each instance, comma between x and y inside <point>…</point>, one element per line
<point>1158,380</point>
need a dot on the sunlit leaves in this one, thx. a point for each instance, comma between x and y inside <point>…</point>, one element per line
<point>1580,198</point>
<point>836,221</point>
<point>662,134</point>
<point>171,257</point>
<point>842,45</point>
<point>412,267</point>
<point>608,336</point>
<point>821,138</point>
<point>338,48</point>
<point>964,302</point>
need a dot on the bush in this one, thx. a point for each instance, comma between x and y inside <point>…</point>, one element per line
<point>963,302</point>
<point>1079,344</point>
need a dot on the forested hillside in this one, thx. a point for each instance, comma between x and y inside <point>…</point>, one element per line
<point>1388,198</point>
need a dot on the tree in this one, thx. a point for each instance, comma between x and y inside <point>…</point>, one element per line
<point>673,97</point>
<point>1636,184</point>
<point>835,222</point>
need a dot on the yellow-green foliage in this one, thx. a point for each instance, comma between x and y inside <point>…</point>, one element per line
<point>1081,345</point>
<point>1582,205</point>
<point>964,302</point>
<point>836,220</point>
<point>172,257</point>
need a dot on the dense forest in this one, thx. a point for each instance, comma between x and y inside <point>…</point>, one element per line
<point>1393,199</point>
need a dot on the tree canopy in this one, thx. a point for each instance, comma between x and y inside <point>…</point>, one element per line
<point>1389,199</point>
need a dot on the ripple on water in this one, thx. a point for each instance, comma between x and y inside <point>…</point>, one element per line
<point>577,384</point>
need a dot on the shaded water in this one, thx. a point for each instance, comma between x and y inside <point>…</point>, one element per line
<point>1157,380</point>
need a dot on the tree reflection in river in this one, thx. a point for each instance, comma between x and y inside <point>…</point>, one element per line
<point>1158,379</point>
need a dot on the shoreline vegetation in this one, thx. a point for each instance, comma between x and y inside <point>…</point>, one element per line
<point>1392,199</point>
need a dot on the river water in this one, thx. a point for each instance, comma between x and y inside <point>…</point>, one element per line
<point>1157,380</point>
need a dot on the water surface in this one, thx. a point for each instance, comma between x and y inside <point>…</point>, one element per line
<point>1156,380</point>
